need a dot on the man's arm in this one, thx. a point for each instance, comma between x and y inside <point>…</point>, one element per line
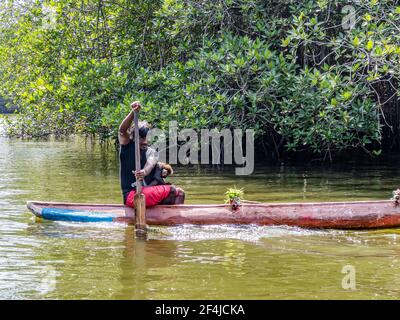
<point>123,135</point>
<point>151,161</point>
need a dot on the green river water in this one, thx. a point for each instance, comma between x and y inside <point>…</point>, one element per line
<point>61,260</point>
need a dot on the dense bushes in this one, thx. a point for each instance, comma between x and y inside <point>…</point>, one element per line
<point>319,76</point>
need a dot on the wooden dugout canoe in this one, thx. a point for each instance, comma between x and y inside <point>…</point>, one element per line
<point>325,215</point>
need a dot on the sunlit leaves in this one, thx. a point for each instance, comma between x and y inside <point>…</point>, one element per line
<point>370,45</point>
<point>356,41</point>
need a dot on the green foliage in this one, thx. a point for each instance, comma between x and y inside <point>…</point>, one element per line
<point>213,89</point>
<point>234,194</point>
<point>289,70</point>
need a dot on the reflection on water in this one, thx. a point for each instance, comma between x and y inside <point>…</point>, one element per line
<point>63,260</point>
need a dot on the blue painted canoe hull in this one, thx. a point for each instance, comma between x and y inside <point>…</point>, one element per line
<point>57,214</point>
<point>81,212</point>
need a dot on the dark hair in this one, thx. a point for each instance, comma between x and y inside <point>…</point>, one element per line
<point>143,131</point>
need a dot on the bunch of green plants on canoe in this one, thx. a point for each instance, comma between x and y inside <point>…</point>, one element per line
<point>234,195</point>
<point>319,76</point>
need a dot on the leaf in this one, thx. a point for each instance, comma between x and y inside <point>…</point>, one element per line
<point>347,95</point>
<point>285,42</point>
<point>239,62</point>
<point>313,21</point>
<point>376,152</point>
<point>356,41</point>
<point>378,51</point>
<point>370,45</point>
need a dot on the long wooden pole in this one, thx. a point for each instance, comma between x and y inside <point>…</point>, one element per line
<point>139,200</point>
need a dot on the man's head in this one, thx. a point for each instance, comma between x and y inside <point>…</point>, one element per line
<point>143,131</point>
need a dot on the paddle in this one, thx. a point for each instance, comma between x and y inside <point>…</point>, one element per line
<point>139,200</point>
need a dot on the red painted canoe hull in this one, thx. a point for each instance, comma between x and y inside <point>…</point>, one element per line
<point>327,215</point>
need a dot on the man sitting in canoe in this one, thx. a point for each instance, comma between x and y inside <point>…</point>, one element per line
<point>155,191</point>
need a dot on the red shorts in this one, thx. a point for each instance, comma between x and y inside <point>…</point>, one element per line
<point>154,195</point>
